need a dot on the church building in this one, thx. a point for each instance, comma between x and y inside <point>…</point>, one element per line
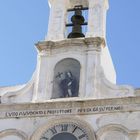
<point>72,94</point>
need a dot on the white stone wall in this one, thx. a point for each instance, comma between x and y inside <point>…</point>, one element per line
<point>118,126</point>
<point>101,119</point>
<point>27,111</point>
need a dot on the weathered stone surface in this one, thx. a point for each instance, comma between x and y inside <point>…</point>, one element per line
<point>97,110</point>
<point>107,118</point>
<point>71,106</point>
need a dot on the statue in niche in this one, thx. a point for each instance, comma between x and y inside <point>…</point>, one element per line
<point>67,84</point>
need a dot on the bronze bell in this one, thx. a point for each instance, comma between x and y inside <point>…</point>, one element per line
<point>77,20</point>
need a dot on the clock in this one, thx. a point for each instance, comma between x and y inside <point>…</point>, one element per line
<point>64,128</point>
<point>65,131</point>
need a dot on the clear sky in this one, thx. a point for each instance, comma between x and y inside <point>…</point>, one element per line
<point>25,22</point>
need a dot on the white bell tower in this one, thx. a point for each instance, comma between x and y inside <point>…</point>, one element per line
<point>59,16</point>
<point>77,66</point>
<point>73,93</point>
<point>96,26</point>
<point>85,59</point>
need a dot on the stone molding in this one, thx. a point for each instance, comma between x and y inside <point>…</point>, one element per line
<point>137,92</point>
<point>47,45</point>
<point>13,132</point>
<point>58,120</point>
<point>112,90</point>
<point>71,106</point>
<point>118,128</point>
<point>10,96</point>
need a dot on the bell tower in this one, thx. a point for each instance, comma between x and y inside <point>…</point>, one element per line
<point>73,93</point>
<point>96,17</point>
<point>81,14</point>
<point>73,62</point>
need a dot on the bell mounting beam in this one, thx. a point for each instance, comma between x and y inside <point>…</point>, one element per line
<point>81,8</point>
<point>71,24</point>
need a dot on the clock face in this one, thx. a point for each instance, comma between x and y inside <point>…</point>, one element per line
<point>65,131</point>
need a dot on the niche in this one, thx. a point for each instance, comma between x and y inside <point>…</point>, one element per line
<point>66,79</point>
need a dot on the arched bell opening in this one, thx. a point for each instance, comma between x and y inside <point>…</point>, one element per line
<point>66,79</point>
<point>77,22</point>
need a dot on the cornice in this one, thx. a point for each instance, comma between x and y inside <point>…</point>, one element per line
<point>93,41</point>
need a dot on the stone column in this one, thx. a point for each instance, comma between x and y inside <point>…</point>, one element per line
<point>92,72</point>
<point>57,20</point>
<point>97,18</point>
<point>43,85</point>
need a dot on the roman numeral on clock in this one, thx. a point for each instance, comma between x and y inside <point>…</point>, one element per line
<point>74,129</point>
<point>64,127</point>
<point>82,136</point>
<point>53,130</point>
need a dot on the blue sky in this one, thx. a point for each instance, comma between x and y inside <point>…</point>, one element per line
<point>25,22</point>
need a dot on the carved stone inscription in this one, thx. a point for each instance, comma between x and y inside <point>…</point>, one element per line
<point>48,112</point>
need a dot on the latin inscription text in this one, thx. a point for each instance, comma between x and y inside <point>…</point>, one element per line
<point>45,112</point>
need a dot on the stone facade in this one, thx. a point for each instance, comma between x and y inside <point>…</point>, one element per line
<point>91,107</point>
<point>102,119</point>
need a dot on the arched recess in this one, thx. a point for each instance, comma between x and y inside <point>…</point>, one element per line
<point>13,133</point>
<point>64,120</point>
<point>113,131</point>
<point>66,78</point>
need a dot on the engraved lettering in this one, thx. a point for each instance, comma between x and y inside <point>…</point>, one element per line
<point>88,110</point>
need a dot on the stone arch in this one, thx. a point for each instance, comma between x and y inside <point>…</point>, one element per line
<point>113,131</point>
<point>60,120</point>
<point>95,19</point>
<point>13,132</point>
<point>66,77</point>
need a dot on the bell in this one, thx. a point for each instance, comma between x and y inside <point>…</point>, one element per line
<point>77,19</point>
